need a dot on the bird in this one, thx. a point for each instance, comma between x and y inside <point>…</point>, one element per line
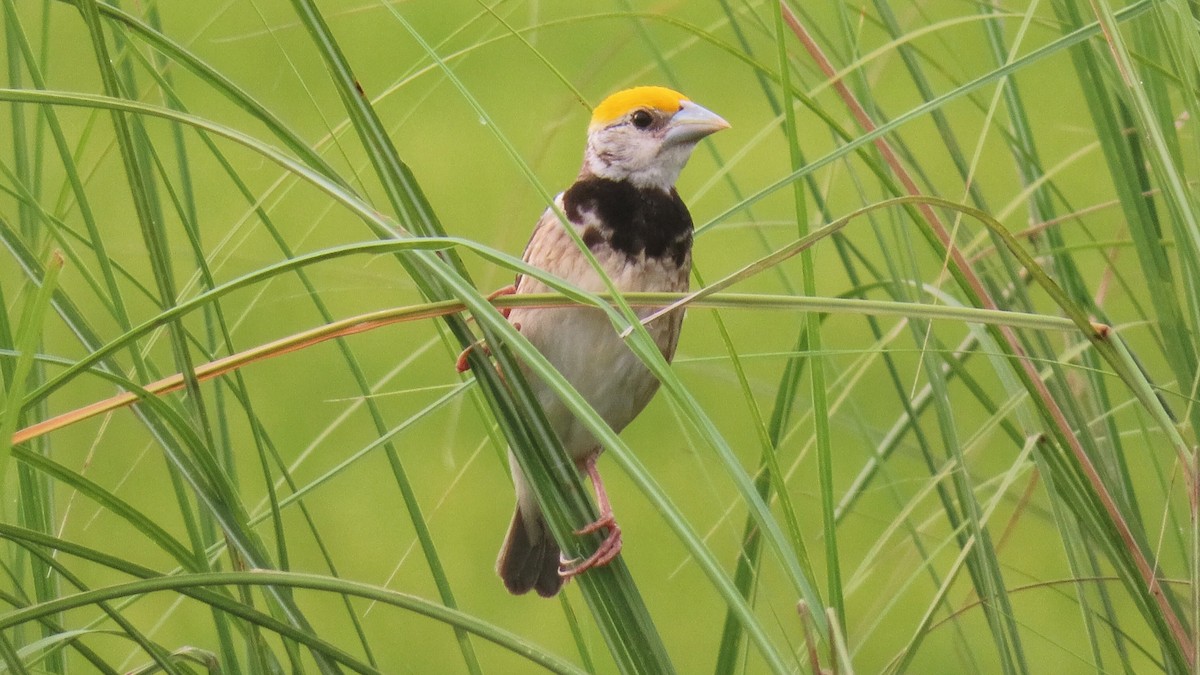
<point>624,207</point>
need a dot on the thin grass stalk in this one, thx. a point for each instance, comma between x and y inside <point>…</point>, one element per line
<point>904,660</point>
<point>956,499</point>
<point>33,502</point>
<point>132,143</point>
<point>22,143</point>
<point>197,585</point>
<point>144,199</point>
<point>908,54</point>
<point>154,651</point>
<point>322,309</point>
<point>219,83</point>
<point>856,142</point>
<point>29,328</point>
<point>1082,562</point>
<point>1082,416</point>
<point>1042,210</point>
<point>35,508</point>
<point>982,563</point>
<point>410,206</point>
<point>214,595</point>
<point>117,104</point>
<point>749,558</point>
<point>954,368</point>
<point>10,656</point>
<point>59,632</point>
<point>769,469</point>
<point>72,317</point>
<point>185,208</point>
<point>812,334</point>
<point>1052,413</point>
<point>643,346</point>
<point>214,321</point>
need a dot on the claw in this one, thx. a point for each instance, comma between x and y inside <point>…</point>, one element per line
<point>510,289</point>
<point>604,521</point>
<point>461,364</point>
<point>610,548</point>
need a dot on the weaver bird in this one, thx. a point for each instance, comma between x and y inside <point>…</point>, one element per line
<point>624,207</point>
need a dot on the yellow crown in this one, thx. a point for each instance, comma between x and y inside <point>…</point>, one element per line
<point>621,103</point>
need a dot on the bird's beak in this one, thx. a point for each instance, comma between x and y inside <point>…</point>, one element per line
<point>692,123</point>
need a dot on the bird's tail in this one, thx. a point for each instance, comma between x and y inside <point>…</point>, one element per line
<point>529,558</point>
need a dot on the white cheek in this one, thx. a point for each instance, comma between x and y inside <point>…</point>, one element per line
<point>627,154</point>
<point>647,154</point>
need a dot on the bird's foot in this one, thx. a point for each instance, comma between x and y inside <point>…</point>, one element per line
<point>510,289</point>
<point>460,364</point>
<point>611,546</point>
<point>603,555</point>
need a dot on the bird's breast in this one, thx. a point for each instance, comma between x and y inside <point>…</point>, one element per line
<point>634,221</point>
<point>582,342</point>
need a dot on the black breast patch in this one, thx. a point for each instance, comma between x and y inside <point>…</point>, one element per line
<point>640,219</point>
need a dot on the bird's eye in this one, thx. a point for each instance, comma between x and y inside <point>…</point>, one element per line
<point>641,119</point>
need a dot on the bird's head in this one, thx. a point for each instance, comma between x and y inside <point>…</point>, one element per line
<point>645,135</point>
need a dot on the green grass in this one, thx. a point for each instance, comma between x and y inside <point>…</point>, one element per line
<point>933,409</point>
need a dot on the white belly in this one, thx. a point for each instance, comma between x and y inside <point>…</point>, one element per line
<point>582,344</point>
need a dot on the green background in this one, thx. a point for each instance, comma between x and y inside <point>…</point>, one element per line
<point>526,64</point>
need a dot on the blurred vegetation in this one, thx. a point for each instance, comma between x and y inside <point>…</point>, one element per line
<point>936,414</point>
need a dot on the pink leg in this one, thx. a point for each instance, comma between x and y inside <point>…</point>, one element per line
<point>460,364</point>
<point>611,546</point>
